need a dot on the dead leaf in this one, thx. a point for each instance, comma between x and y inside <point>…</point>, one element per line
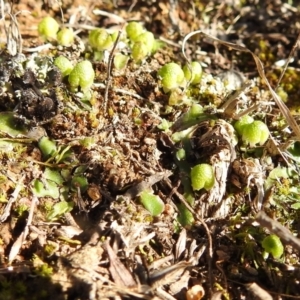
<point>121,276</point>
<point>168,275</point>
<point>181,244</point>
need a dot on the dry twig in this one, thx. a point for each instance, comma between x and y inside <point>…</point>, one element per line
<point>109,67</point>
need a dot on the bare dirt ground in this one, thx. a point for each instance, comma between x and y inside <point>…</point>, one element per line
<point>96,201</point>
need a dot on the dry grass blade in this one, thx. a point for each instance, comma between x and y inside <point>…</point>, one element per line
<point>260,68</point>
<point>13,36</point>
<point>12,31</point>
<point>115,17</point>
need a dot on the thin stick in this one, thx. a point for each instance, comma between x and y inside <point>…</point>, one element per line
<point>109,68</point>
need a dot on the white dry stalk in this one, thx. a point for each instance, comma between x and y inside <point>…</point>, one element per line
<point>233,97</point>
<point>109,69</point>
<point>218,144</point>
<point>209,237</point>
<point>2,10</point>
<point>121,91</point>
<point>22,237</point>
<point>163,295</point>
<point>13,35</point>
<point>168,275</point>
<point>11,200</point>
<point>39,48</point>
<point>118,271</point>
<point>99,12</point>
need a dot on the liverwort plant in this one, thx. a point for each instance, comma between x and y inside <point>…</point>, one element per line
<point>142,47</point>
<point>255,133</point>
<point>193,72</point>
<point>8,125</point>
<point>142,41</point>
<point>252,132</point>
<point>47,147</point>
<point>65,37</point>
<point>120,61</point>
<point>152,203</point>
<point>48,28</point>
<point>133,30</point>
<point>139,51</point>
<point>64,65</point>
<point>202,176</point>
<point>49,186</point>
<point>272,244</point>
<point>146,38</point>
<point>242,122</point>
<point>82,76</point>
<point>100,39</point>
<point>172,77</point>
<point>59,209</point>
